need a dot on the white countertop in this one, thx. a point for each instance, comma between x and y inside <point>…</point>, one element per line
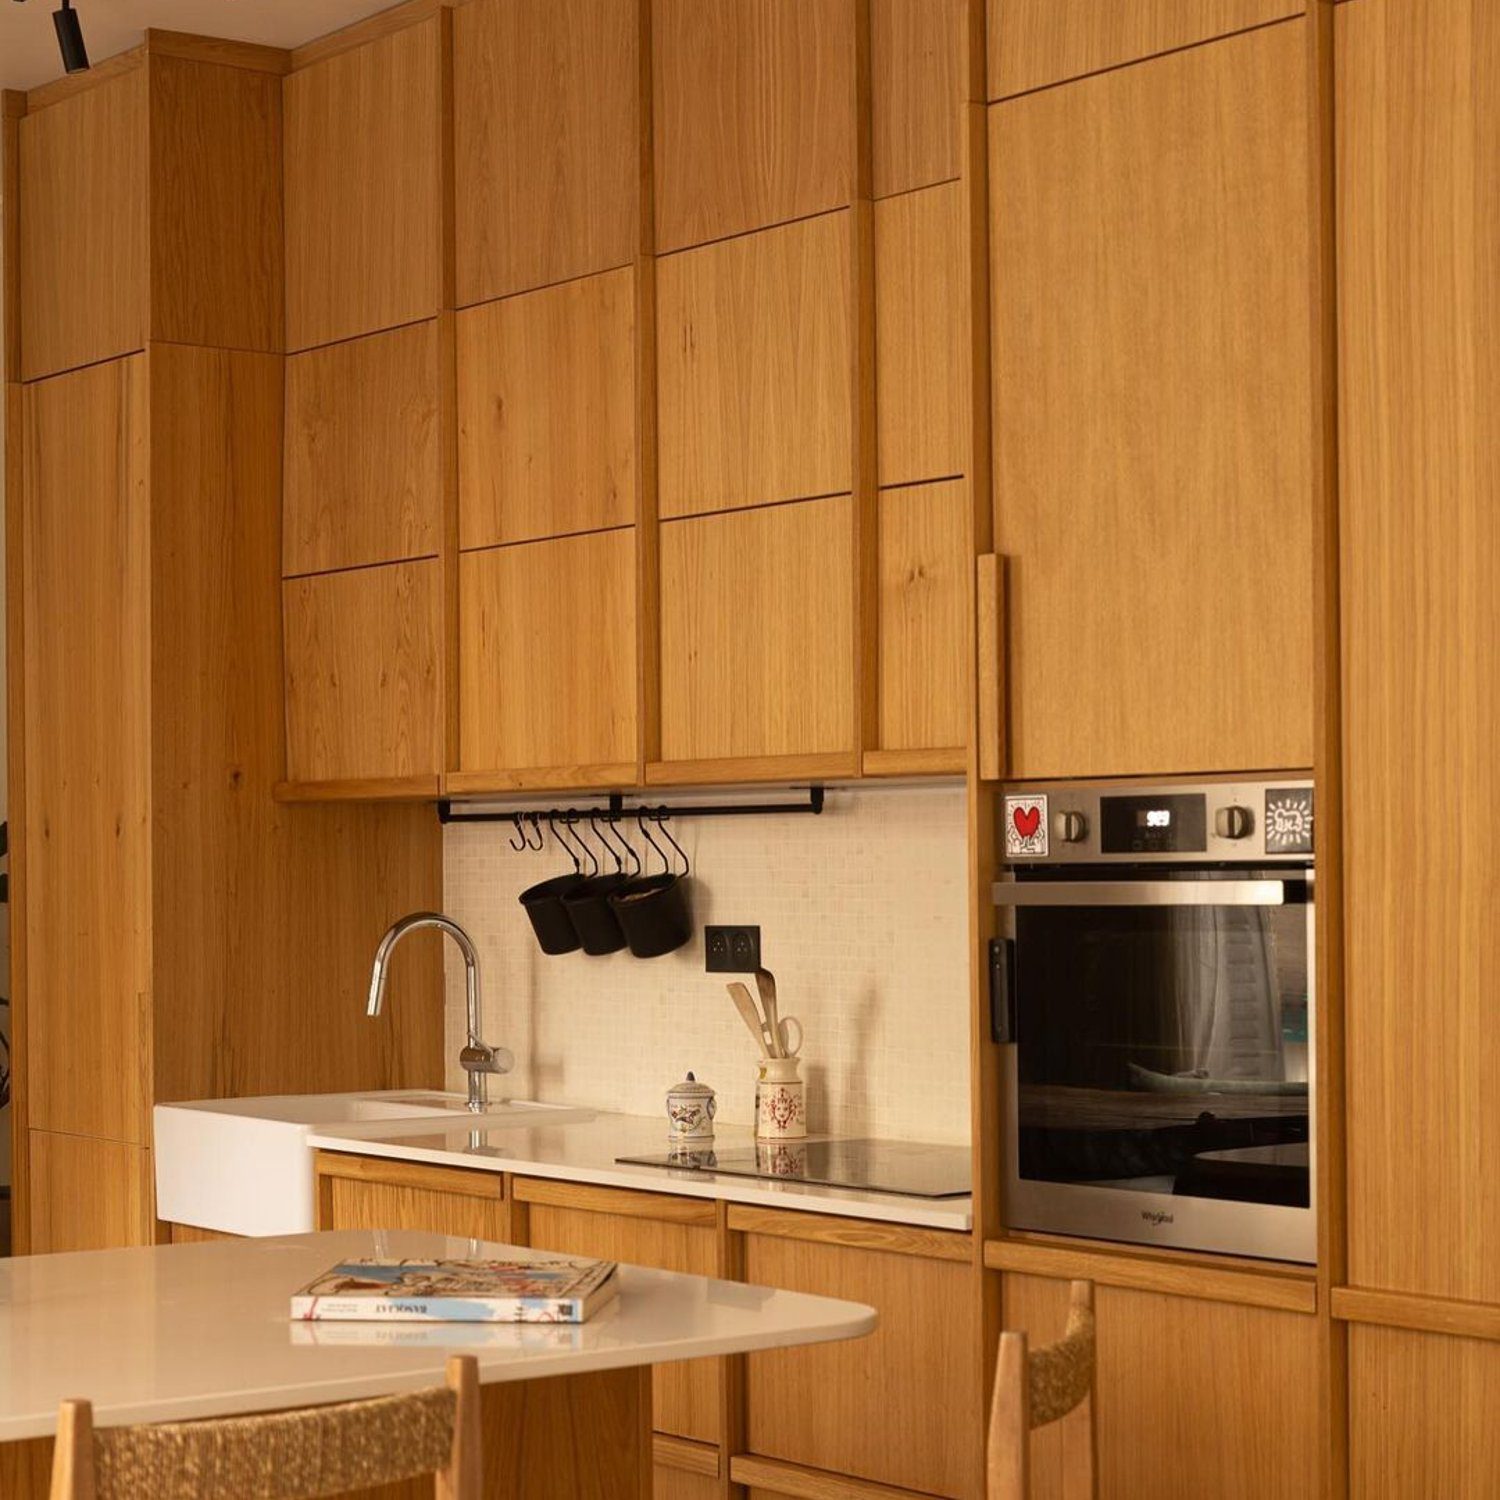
<point>175,1332</point>
<point>585,1151</point>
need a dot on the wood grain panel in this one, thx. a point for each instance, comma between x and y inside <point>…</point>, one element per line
<point>363,673</point>
<point>754,370</point>
<point>753,113</point>
<point>917,84</point>
<point>1033,43</point>
<point>895,1407</point>
<point>89,1194</point>
<point>1422,1415</point>
<point>686,1392</point>
<point>926,562</point>
<point>921,347</point>
<point>87,745</point>
<point>1151,399</point>
<point>350,1204</point>
<point>363,470</point>
<point>547,654</point>
<point>191,1234</point>
<point>546,412</point>
<point>678,1484</point>
<point>363,189</point>
<point>1187,1393</point>
<point>757,633</point>
<point>82,251</point>
<point>546,140</point>
<point>236,1012</point>
<point>1419,105</point>
<point>216,230</point>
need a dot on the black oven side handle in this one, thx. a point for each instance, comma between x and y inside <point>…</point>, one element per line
<point>1003,990</point>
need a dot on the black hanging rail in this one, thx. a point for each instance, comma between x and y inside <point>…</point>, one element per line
<point>617,809</point>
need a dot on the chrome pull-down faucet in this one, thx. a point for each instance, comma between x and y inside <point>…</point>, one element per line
<point>478,1059</point>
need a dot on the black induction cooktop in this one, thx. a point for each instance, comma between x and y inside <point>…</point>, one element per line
<point>916,1170</point>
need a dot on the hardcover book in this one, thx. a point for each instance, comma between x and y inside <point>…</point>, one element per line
<point>458,1291</point>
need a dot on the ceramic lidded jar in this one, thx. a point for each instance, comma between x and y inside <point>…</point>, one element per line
<point>690,1111</point>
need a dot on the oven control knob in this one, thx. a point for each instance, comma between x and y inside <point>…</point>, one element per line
<point>1072,827</point>
<point>1233,822</point>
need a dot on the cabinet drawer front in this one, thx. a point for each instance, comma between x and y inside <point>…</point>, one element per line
<point>351,1204</point>
<point>363,687</point>
<point>757,632</point>
<point>687,1394</point>
<point>898,1407</point>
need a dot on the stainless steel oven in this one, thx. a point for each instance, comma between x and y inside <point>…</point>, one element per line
<point>1153,986</point>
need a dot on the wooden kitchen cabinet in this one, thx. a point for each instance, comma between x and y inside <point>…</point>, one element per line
<point>1034,43</point>
<point>1152,413</point>
<point>547,663</point>
<point>364,693</point>
<point>363,188</point>
<point>917,78</point>
<point>754,114</point>
<point>88,1193</point>
<point>646,1229</point>
<point>363,464</point>
<point>755,369</point>
<point>1193,1397</point>
<point>758,644</point>
<point>547,412</point>
<point>368,1192</point>
<point>900,1407</point>
<point>546,139</point>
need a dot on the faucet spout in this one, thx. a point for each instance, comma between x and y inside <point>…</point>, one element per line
<point>477,1058</point>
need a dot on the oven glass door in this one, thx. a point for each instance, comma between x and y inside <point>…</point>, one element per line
<point>1162,1050</point>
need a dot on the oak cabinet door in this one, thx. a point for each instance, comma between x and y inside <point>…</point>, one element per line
<point>753,114</point>
<point>916,83</point>
<point>546,412</point>
<point>363,680</point>
<point>362,467</point>
<point>757,634</point>
<point>546,141</point>
<point>89,1194</point>
<point>896,1407</point>
<point>547,662</point>
<point>363,188</point>
<point>687,1393</point>
<point>754,369</point>
<point>1152,437</point>
<point>81,232</point>
<point>366,1192</point>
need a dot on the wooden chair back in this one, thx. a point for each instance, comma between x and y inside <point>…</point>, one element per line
<point>1037,1387</point>
<point>286,1455</point>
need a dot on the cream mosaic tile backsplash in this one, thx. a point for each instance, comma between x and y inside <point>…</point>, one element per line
<point>864,921</point>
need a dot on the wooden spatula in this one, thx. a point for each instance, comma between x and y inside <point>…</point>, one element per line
<point>765,982</point>
<point>748,1013</point>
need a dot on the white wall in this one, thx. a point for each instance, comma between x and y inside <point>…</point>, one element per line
<point>864,921</point>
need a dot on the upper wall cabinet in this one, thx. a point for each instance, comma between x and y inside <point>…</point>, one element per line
<point>546,412</point>
<point>363,186</point>
<point>199,143</point>
<point>1152,413</point>
<point>754,368</point>
<point>917,83</point>
<point>362,473</point>
<point>546,139</point>
<point>1033,43</point>
<point>82,235</point>
<point>754,114</point>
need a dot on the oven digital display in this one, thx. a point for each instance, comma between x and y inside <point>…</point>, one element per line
<point>1176,823</point>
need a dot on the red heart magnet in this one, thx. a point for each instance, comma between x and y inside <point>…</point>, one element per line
<point>1027,820</point>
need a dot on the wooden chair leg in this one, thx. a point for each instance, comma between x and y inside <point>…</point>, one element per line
<point>463,1479</point>
<point>1010,1423</point>
<point>73,1456</point>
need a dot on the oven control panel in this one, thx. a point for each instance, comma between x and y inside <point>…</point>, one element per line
<point>1210,821</point>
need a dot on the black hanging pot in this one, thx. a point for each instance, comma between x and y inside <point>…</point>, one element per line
<point>653,913</point>
<point>593,918</point>
<point>549,917</point>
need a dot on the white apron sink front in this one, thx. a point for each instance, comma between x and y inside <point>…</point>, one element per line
<point>243,1166</point>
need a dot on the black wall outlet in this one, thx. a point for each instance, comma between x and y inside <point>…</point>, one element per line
<point>731,950</point>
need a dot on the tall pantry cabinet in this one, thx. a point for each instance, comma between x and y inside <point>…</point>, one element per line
<point>166,938</point>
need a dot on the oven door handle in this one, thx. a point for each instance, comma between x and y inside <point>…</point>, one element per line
<point>1149,892</point>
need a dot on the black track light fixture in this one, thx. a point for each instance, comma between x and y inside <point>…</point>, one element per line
<point>75,56</point>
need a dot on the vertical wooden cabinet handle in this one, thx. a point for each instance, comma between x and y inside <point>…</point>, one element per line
<point>989,615</point>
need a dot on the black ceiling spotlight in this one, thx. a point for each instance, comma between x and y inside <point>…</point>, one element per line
<point>75,56</point>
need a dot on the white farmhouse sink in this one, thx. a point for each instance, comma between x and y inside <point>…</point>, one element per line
<point>243,1166</point>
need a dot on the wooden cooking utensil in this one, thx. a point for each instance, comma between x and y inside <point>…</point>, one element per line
<point>765,982</point>
<point>748,1013</point>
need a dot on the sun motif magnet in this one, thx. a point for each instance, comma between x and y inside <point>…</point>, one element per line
<point>1026,827</point>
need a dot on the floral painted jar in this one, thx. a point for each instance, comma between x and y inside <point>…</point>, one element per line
<point>780,1100</point>
<point>690,1111</point>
